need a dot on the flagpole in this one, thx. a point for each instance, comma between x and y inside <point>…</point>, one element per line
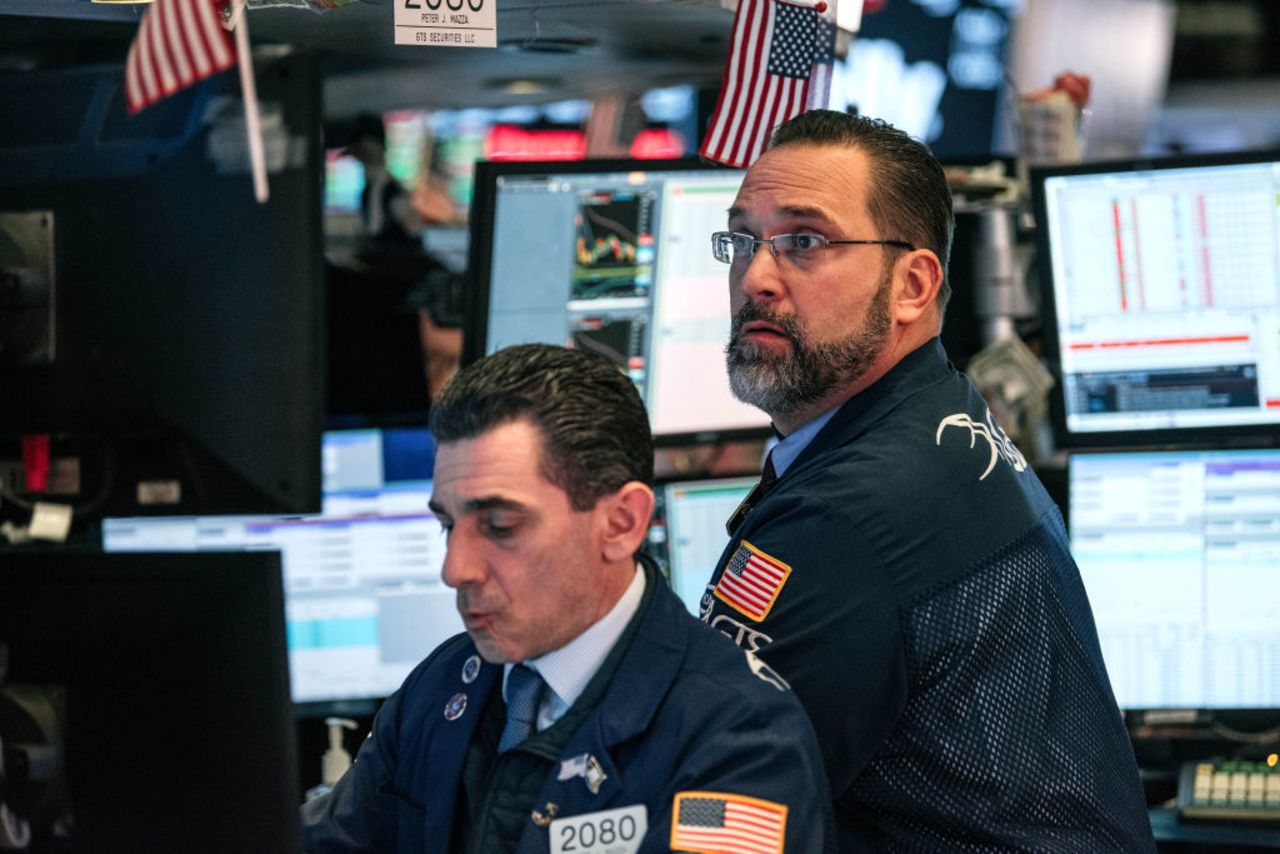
<point>252,125</point>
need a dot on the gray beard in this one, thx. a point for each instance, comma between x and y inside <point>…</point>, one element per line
<point>782,385</point>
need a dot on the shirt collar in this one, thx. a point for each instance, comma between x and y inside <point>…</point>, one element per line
<point>920,368</point>
<point>789,447</point>
<point>568,669</point>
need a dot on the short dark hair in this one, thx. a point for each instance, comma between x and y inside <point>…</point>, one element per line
<point>594,427</point>
<point>909,198</point>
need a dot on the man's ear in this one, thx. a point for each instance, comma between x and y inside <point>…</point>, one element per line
<point>625,520</point>
<point>920,278</point>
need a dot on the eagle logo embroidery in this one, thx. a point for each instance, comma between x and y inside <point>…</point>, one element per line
<point>998,443</point>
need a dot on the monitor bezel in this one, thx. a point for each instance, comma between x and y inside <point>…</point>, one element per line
<point>480,266</point>
<point>1204,438</point>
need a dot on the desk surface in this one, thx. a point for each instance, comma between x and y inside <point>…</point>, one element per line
<point>1167,828</point>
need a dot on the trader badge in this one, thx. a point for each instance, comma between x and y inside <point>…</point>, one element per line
<point>456,707</point>
<point>470,669</point>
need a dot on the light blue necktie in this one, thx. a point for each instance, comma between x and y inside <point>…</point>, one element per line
<point>524,694</point>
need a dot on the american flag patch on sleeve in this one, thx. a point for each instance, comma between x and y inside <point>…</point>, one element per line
<point>719,823</point>
<point>751,581</point>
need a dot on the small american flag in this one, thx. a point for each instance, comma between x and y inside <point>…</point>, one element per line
<point>716,822</point>
<point>779,66</point>
<point>751,581</point>
<point>178,43</point>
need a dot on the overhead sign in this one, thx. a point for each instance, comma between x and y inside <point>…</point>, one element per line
<point>447,23</point>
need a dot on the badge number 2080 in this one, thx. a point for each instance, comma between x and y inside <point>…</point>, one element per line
<point>617,831</point>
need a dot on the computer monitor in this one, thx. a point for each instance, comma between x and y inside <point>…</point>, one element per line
<point>1161,295</point>
<point>1180,555</point>
<point>376,470</point>
<point>694,512</point>
<point>160,325</point>
<point>147,701</point>
<point>614,256</point>
<point>364,597</point>
<point>343,182</point>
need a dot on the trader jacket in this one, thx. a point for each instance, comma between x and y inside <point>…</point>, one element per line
<point>911,579</point>
<point>684,711</point>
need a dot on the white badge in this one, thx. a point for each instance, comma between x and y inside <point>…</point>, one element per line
<point>618,831</point>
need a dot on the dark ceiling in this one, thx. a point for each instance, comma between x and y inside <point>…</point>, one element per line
<point>572,49</point>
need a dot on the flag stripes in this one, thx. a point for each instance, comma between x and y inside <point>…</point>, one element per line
<point>718,822</point>
<point>778,49</point>
<point>178,43</point>
<point>751,581</point>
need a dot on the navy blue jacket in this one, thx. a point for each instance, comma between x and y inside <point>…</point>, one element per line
<point>932,621</point>
<point>684,711</point>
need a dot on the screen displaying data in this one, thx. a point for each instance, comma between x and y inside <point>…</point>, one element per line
<point>618,261</point>
<point>1180,555</point>
<point>343,182</point>
<point>695,513</point>
<point>364,599</point>
<point>1165,285</point>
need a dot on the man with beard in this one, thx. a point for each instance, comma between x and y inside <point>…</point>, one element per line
<point>573,714</point>
<point>900,564</point>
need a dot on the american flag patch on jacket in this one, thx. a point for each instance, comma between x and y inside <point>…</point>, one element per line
<point>751,581</point>
<point>714,822</point>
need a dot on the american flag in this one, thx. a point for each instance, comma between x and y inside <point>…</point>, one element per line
<point>716,822</point>
<point>779,66</point>
<point>751,581</point>
<point>178,43</point>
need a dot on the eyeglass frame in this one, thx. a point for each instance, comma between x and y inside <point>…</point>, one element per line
<point>718,236</point>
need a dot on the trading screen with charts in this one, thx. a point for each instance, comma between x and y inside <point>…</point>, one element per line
<point>1180,555</point>
<point>364,597</point>
<point>1166,290</point>
<point>620,263</point>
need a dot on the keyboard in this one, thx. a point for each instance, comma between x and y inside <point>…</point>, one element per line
<point>1230,790</point>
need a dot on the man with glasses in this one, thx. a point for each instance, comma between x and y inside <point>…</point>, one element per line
<point>900,564</point>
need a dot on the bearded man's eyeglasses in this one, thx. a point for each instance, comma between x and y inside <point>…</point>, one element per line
<point>734,247</point>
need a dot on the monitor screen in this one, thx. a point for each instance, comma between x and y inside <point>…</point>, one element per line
<point>343,182</point>
<point>695,512</point>
<point>376,470</point>
<point>155,687</point>
<point>614,257</point>
<point>363,591</point>
<point>1180,555</point>
<point>1161,292</point>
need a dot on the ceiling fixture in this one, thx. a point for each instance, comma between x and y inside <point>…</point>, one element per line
<point>524,85</point>
<point>549,44</point>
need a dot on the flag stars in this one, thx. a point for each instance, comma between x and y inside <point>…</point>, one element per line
<point>794,41</point>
